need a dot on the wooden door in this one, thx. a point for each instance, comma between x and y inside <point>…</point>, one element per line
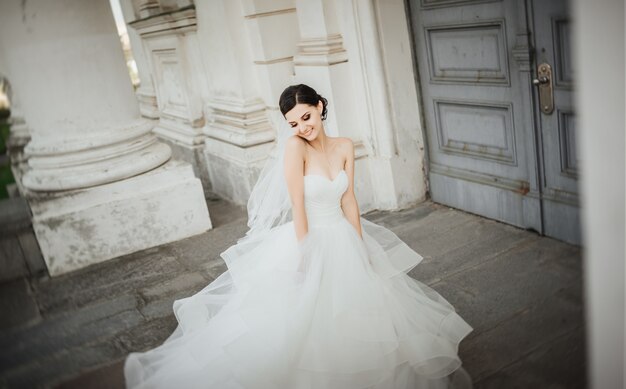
<point>550,26</point>
<point>487,148</point>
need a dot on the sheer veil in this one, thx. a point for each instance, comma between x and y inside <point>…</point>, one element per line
<point>269,204</point>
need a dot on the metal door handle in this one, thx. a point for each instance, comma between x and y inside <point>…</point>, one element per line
<point>546,90</point>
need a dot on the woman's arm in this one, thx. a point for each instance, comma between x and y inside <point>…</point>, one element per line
<point>294,176</point>
<point>348,200</point>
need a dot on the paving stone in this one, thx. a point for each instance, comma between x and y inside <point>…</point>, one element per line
<point>158,299</point>
<point>487,240</point>
<point>162,308</point>
<point>519,334</point>
<point>14,215</point>
<point>107,377</point>
<point>62,366</point>
<point>438,233</point>
<point>571,292</point>
<point>521,292</point>
<point>195,252</point>
<point>181,282</point>
<point>559,364</point>
<point>32,253</point>
<point>77,289</point>
<point>97,321</point>
<point>148,334</point>
<point>224,212</point>
<point>442,219</point>
<point>496,289</point>
<point>569,259</point>
<point>17,304</point>
<point>12,262</point>
<point>401,217</point>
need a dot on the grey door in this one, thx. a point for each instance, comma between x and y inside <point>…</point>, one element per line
<point>557,129</point>
<point>486,147</point>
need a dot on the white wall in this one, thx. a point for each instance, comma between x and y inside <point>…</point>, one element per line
<point>599,37</point>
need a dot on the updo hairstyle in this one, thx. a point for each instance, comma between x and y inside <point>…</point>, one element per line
<point>301,94</point>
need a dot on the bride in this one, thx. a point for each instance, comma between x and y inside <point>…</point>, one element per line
<point>314,296</point>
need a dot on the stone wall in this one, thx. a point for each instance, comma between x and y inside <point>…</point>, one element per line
<point>228,61</point>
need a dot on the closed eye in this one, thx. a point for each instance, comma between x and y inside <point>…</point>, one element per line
<point>306,116</point>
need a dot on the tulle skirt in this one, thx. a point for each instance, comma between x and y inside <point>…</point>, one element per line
<point>332,311</point>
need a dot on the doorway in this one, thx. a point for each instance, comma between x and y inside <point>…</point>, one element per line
<point>496,79</point>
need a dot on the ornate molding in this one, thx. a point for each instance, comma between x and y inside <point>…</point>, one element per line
<point>270,13</point>
<point>240,123</point>
<point>180,20</point>
<point>323,51</point>
<point>148,8</point>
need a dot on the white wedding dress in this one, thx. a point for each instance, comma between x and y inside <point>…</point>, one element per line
<point>331,312</point>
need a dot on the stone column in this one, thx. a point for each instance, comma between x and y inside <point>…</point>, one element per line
<point>131,10</point>
<point>238,129</point>
<point>321,59</point>
<point>170,48</point>
<point>360,66</point>
<point>99,183</point>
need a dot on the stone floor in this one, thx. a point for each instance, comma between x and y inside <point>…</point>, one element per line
<point>522,293</point>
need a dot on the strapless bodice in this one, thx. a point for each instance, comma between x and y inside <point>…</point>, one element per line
<point>322,198</point>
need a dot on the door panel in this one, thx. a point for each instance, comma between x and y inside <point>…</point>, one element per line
<point>477,119</point>
<point>490,150</point>
<point>557,129</point>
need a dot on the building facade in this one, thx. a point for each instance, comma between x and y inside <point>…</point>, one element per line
<point>442,97</point>
<point>470,102</point>
<point>98,181</point>
<point>212,72</point>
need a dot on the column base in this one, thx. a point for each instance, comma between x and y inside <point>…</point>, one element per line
<point>193,155</point>
<point>239,139</point>
<point>233,169</point>
<point>79,228</point>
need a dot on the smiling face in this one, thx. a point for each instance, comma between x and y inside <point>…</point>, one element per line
<point>306,120</point>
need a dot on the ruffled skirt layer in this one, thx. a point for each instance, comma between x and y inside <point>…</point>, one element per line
<point>333,311</point>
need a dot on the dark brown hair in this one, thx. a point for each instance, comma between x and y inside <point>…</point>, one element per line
<point>301,94</point>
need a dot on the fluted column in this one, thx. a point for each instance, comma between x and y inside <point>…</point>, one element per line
<point>321,58</point>
<point>238,129</point>
<point>69,73</point>
<point>93,162</point>
<point>168,43</point>
<point>146,94</point>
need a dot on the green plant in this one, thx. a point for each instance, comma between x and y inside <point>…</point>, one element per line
<point>6,175</point>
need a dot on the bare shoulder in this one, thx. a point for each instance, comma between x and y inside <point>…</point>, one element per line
<point>296,144</point>
<point>345,145</point>
<point>343,142</point>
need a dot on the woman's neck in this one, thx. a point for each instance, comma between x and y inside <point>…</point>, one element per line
<point>320,142</point>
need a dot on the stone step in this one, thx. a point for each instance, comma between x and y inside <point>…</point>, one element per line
<point>20,255</point>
